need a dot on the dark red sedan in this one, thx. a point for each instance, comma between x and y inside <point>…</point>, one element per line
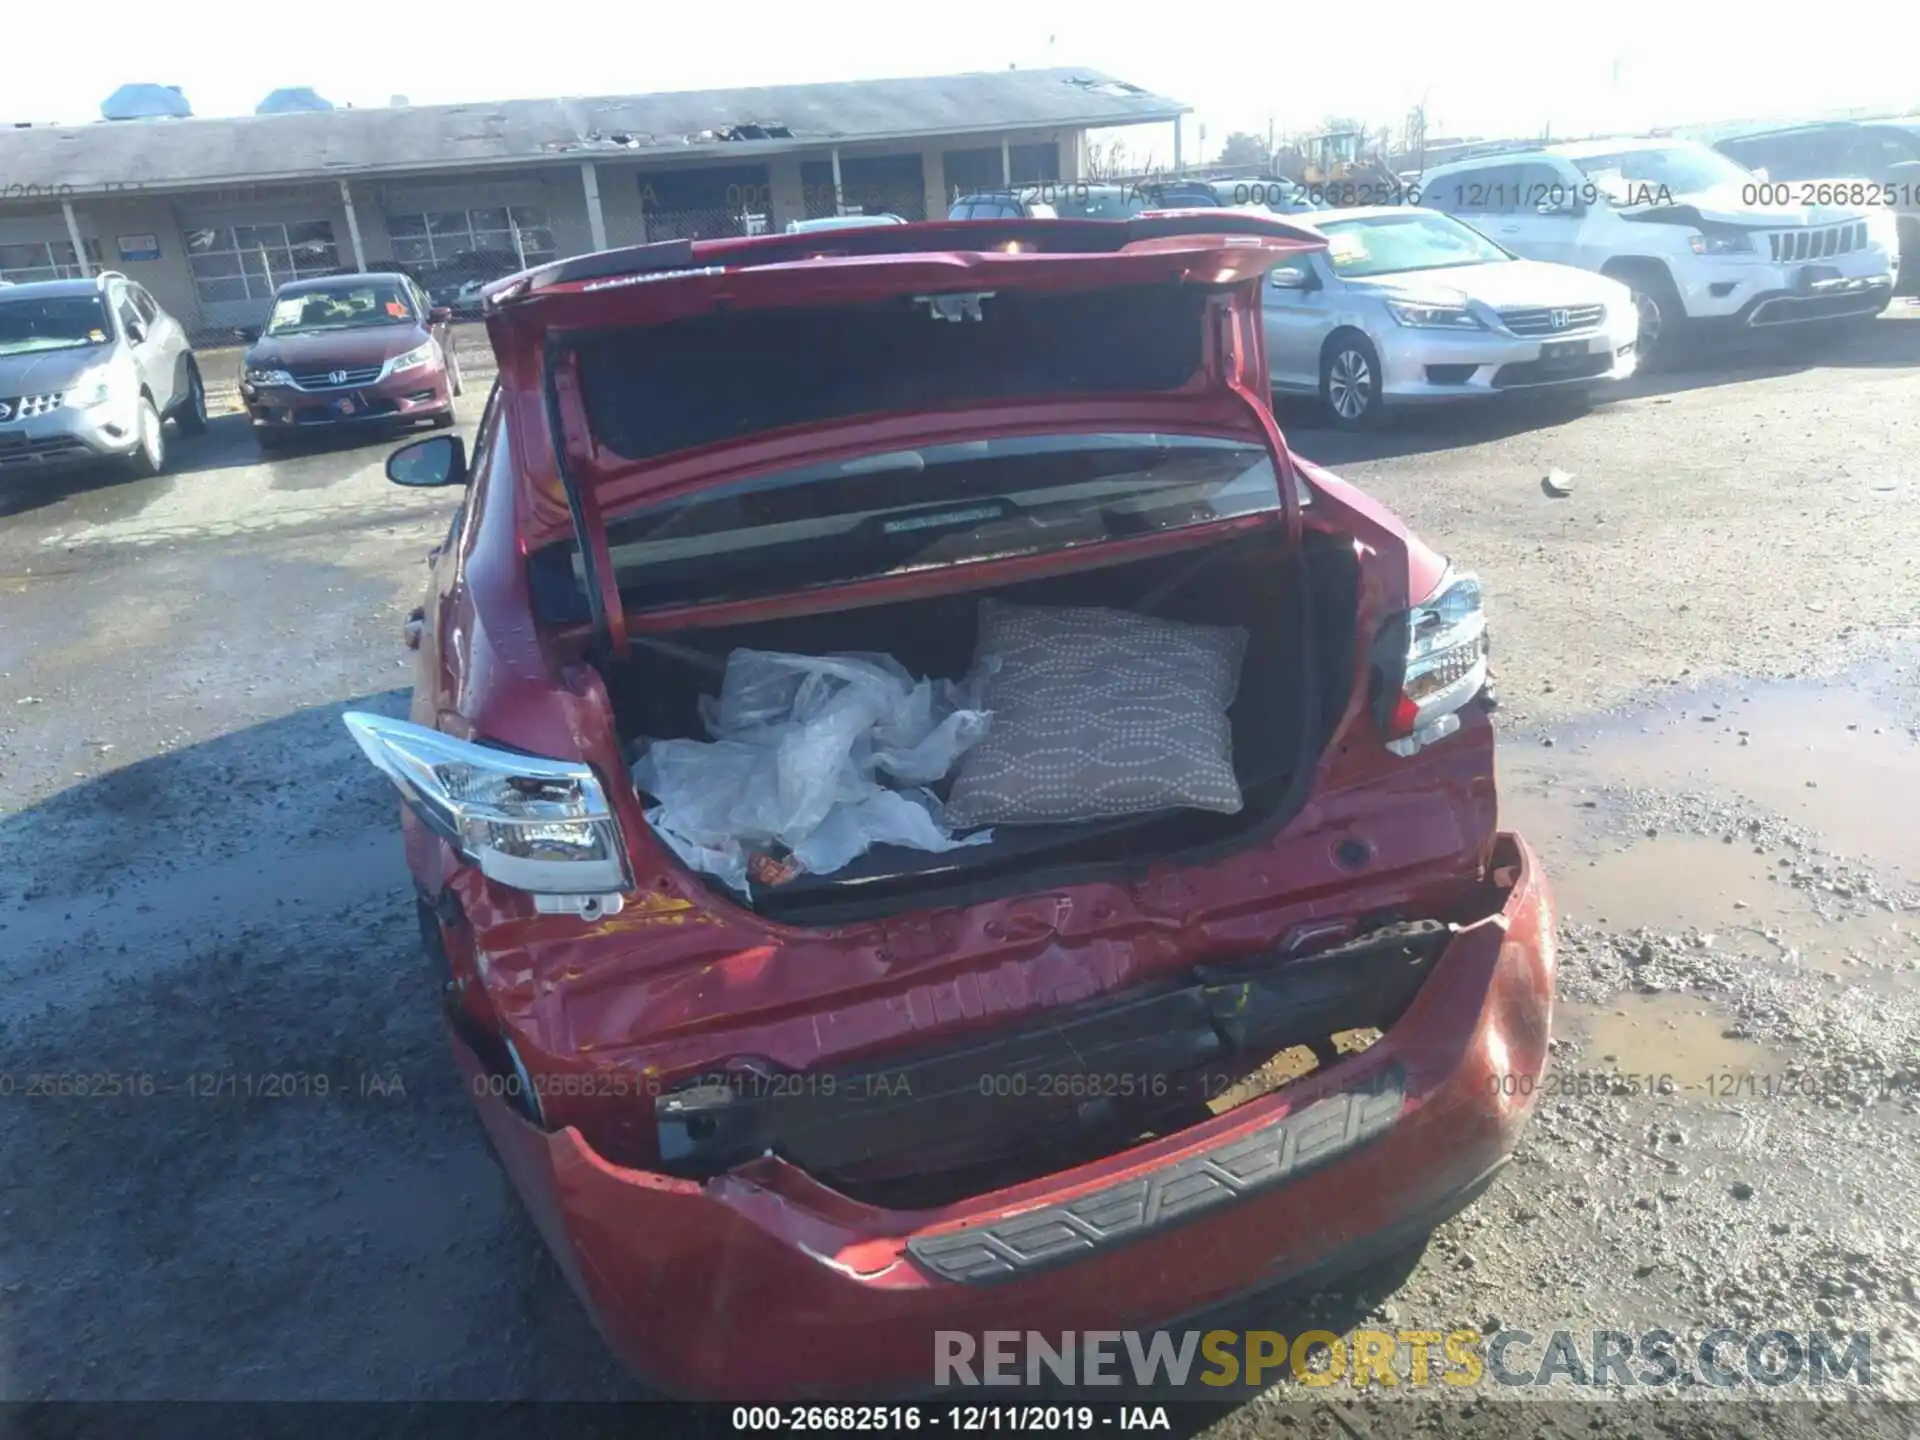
<point>350,350</point>
<point>931,818</point>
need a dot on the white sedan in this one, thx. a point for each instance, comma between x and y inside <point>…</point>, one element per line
<point>1408,305</point>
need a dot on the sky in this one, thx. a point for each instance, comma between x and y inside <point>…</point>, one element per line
<point>1491,67</point>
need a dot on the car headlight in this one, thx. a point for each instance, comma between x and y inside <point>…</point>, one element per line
<point>269,377</point>
<point>1427,315</point>
<point>88,392</point>
<point>412,360</point>
<point>1721,243</point>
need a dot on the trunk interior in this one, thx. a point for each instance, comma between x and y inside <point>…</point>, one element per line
<point>1294,683</point>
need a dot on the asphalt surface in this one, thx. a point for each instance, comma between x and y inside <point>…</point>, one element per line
<point>271,1185</point>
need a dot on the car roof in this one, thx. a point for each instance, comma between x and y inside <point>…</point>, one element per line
<point>34,289</point>
<point>329,282</point>
<point>1317,218</point>
<point>1569,150</point>
<point>1768,131</point>
<point>842,222</point>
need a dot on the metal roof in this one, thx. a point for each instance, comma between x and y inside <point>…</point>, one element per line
<point>699,125</point>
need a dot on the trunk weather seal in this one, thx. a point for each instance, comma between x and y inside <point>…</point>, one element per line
<point>590,537</point>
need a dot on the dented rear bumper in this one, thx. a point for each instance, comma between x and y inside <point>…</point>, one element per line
<point>764,1283</point>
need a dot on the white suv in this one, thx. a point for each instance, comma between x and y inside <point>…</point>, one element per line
<point>1697,237</point>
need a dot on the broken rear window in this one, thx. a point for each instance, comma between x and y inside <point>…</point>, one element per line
<point>654,390</point>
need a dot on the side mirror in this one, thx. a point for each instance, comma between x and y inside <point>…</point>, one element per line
<point>1295,277</point>
<point>136,333</point>
<point>440,314</point>
<point>437,460</point>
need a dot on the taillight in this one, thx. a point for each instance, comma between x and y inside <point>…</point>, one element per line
<point>533,824</point>
<point>1443,667</point>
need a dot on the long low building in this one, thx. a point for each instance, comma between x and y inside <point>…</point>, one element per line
<point>212,214</point>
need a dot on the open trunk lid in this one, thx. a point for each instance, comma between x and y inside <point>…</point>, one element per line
<point>673,368</point>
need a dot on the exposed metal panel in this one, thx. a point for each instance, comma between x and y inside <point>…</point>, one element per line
<point>1133,1210</point>
<point>1272,1155</point>
<point>420,138</point>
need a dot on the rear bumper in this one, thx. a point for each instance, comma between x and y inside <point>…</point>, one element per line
<point>765,1284</point>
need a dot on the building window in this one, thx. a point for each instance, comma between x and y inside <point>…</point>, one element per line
<point>1034,164</point>
<point>869,184</point>
<point>250,262</point>
<point>522,231</point>
<point>44,260</point>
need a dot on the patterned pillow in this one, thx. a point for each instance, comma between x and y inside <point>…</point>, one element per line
<point>1098,713</point>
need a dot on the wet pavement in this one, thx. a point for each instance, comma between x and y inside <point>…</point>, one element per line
<point>200,880</point>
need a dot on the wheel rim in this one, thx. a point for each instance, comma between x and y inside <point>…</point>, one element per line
<point>1349,384</point>
<point>1650,319</point>
<point>151,445</point>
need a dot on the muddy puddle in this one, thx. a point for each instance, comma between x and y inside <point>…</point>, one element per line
<point>1680,1039</point>
<point>1838,761</point>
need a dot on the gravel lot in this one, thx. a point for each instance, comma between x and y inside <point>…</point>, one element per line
<point>1711,676</point>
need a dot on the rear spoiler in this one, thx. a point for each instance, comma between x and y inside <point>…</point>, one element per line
<point>670,259</point>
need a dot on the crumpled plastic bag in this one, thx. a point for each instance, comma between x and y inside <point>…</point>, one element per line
<point>824,756</point>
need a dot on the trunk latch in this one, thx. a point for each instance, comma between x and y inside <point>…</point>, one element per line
<point>955,307</point>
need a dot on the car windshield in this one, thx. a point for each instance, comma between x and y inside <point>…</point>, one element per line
<point>52,322</point>
<point>341,307</point>
<point>1391,244</point>
<point>1675,169</point>
<point>940,505</point>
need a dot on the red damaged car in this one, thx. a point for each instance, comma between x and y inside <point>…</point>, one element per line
<point>933,819</point>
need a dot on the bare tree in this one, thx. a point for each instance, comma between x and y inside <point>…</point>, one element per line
<point>1243,147</point>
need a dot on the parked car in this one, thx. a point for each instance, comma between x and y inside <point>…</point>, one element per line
<point>89,372</point>
<point>1696,236</point>
<point>1409,305</point>
<point>1806,161</point>
<point>456,283</point>
<point>844,1098</point>
<point>840,222</point>
<point>1002,205</point>
<point>350,350</point>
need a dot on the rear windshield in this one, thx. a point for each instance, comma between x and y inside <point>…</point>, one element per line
<point>908,510</point>
<point>654,390</point>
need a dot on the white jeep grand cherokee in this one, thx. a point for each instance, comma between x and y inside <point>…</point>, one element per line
<point>1683,226</point>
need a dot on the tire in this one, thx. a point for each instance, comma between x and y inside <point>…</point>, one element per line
<point>1350,381</point>
<point>1662,316</point>
<point>268,439</point>
<point>443,422</point>
<point>149,457</point>
<point>191,416</point>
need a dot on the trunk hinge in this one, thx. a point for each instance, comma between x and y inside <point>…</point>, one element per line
<point>567,417</point>
<point>1233,358</point>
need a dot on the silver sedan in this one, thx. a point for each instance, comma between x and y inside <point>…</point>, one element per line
<point>1408,305</point>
